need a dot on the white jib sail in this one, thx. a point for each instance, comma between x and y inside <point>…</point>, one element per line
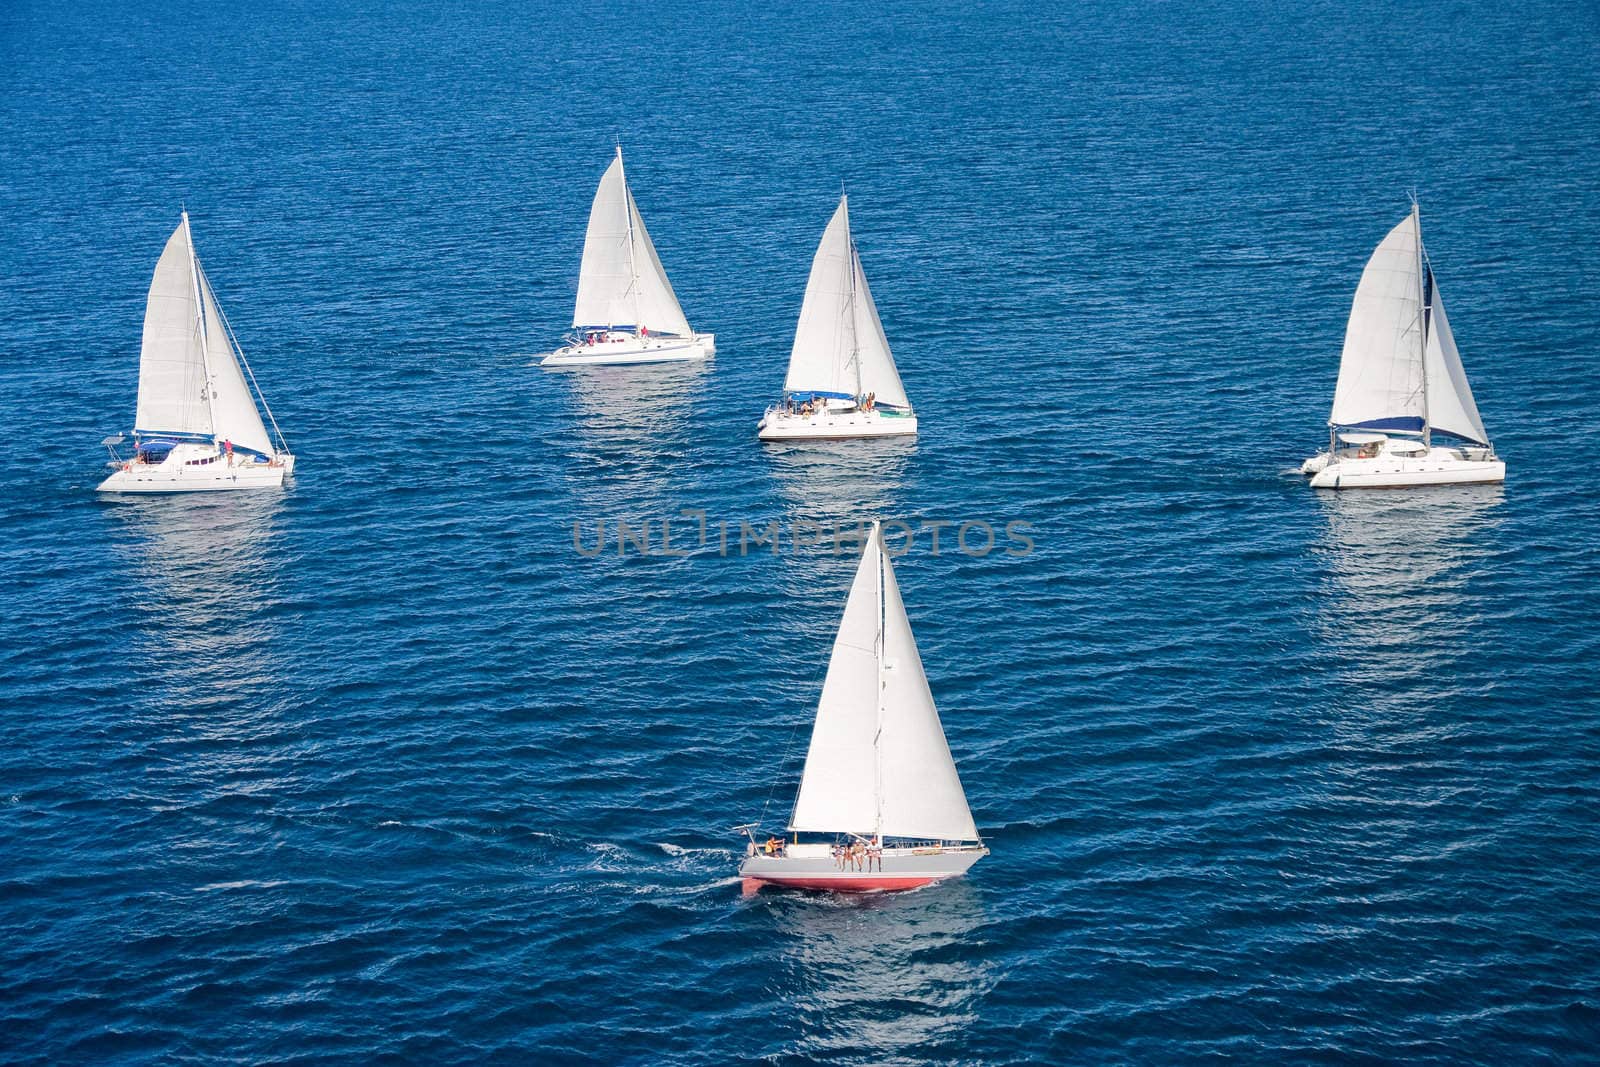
<point>878,761</point>
<point>621,281</point>
<point>172,371</point>
<point>234,416</point>
<point>1450,404</point>
<point>1380,371</point>
<point>839,343</point>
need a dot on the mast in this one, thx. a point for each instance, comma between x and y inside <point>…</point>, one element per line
<point>633,267</point>
<point>855,334</point>
<point>877,734</point>
<point>200,316</point>
<point>1422,321</point>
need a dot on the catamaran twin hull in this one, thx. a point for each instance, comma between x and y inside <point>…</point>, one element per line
<point>195,469</point>
<point>1438,466</point>
<point>813,867</point>
<point>777,425</point>
<point>632,351</point>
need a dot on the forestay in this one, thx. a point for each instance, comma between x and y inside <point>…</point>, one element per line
<point>839,343</point>
<point>621,281</point>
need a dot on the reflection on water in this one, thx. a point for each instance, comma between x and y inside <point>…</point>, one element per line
<point>205,569</point>
<point>1400,563</point>
<point>842,481</point>
<point>632,427</point>
<point>630,406</point>
<point>882,974</point>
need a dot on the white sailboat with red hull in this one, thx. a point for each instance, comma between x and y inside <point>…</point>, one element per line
<point>626,312</point>
<point>197,426</point>
<point>1403,413</point>
<point>880,804</point>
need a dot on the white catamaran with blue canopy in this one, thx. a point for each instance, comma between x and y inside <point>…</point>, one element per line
<point>196,426</point>
<point>1401,384</point>
<point>626,312</point>
<point>842,381</point>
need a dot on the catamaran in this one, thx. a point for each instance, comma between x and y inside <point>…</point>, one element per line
<point>842,381</point>
<point>196,425</point>
<point>1401,384</point>
<point>626,310</point>
<point>880,804</point>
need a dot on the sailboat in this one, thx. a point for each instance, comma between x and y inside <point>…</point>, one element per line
<point>626,310</point>
<point>196,425</point>
<point>1401,384</point>
<point>880,804</point>
<point>842,381</point>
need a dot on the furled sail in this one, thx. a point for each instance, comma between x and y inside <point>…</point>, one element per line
<point>1451,408</point>
<point>839,344</point>
<point>1381,369</point>
<point>878,761</point>
<point>621,281</point>
<point>172,369</point>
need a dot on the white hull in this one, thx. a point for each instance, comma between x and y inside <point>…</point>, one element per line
<point>813,867</point>
<point>779,425</point>
<point>197,469</point>
<point>1437,466</point>
<point>630,351</point>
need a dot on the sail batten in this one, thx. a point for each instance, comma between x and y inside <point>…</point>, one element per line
<point>840,348</point>
<point>878,762</point>
<point>621,281</point>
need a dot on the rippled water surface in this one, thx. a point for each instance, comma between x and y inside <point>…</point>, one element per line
<point>382,766</point>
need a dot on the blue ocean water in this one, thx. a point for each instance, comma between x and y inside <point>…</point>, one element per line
<point>382,767</point>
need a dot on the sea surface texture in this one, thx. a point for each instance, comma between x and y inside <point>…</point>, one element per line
<point>389,767</point>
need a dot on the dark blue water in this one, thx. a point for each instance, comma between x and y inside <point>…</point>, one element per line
<point>381,768</point>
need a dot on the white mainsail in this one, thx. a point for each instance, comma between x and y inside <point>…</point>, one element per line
<point>839,343</point>
<point>878,761</point>
<point>172,361</point>
<point>1451,408</point>
<point>187,342</point>
<point>1381,369</point>
<point>621,281</point>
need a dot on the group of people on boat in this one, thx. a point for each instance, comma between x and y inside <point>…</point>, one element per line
<point>817,405</point>
<point>595,337</point>
<point>858,855</point>
<point>774,846</point>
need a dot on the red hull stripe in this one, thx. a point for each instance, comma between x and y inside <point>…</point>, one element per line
<point>847,885</point>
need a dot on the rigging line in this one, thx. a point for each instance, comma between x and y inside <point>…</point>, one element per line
<point>236,347</point>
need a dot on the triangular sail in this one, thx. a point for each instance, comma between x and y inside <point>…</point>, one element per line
<point>621,281</point>
<point>878,761</point>
<point>1380,371</point>
<point>921,791</point>
<point>172,371</point>
<point>839,344</point>
<point>1451,408</point>
<point>838,787</point>
<point>234,416</point>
